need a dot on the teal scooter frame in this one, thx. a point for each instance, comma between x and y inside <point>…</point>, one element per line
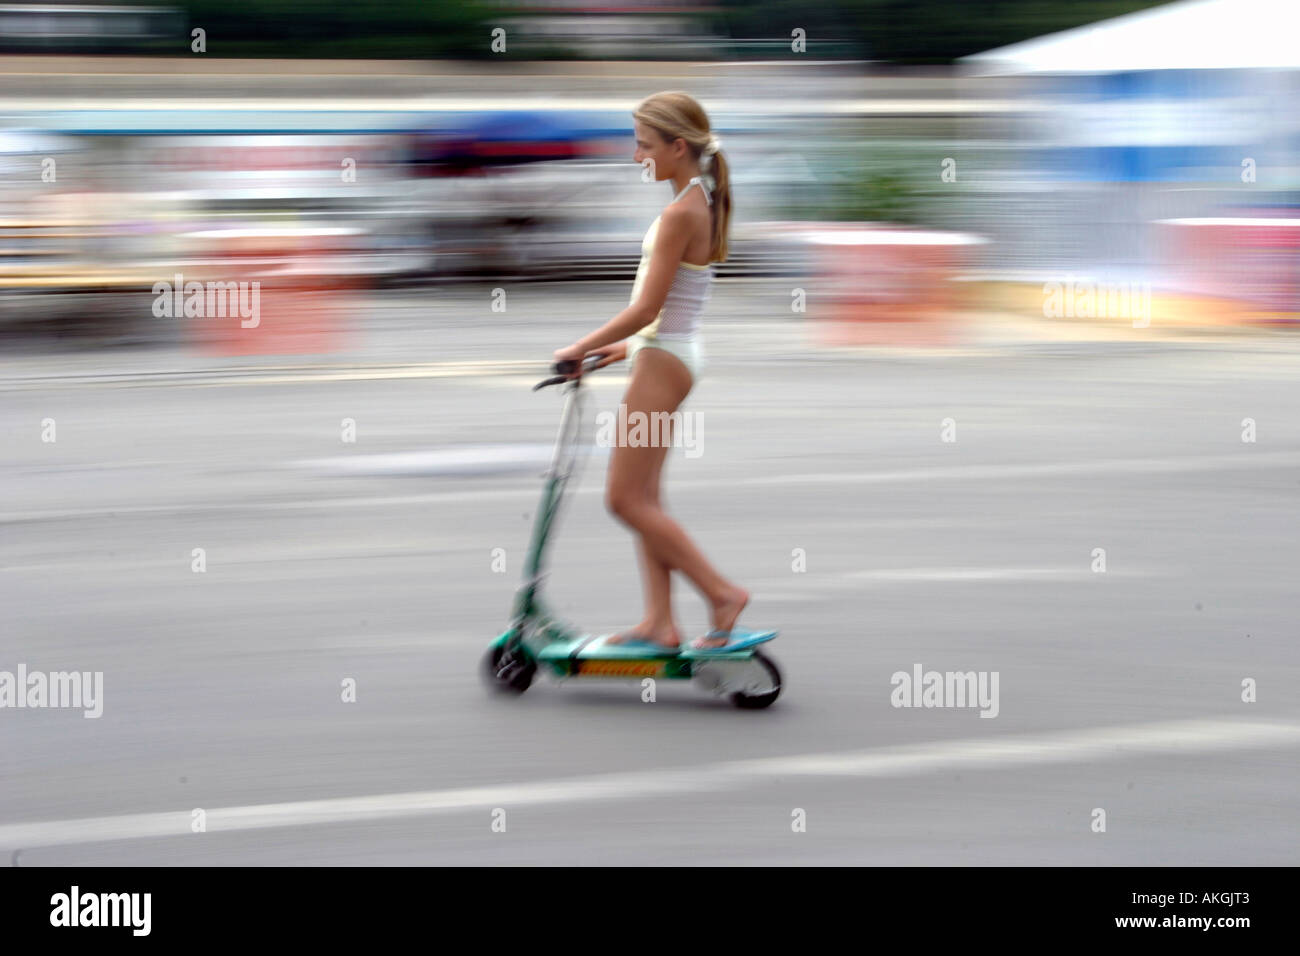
<point>538,640</point>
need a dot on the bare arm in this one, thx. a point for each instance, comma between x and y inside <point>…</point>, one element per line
<point>670,245</point>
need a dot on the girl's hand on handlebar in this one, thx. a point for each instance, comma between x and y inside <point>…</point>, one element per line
<point>570,353</point>
<point>608,354</point>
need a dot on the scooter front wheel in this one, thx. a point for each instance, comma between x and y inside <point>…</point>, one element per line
<point>508,671</point>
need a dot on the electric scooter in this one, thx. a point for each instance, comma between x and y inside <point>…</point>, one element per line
<point>538,640</point>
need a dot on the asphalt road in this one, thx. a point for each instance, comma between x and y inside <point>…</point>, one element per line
<point>373,561</point>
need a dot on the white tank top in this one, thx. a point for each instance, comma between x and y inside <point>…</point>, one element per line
<point>680,316</point>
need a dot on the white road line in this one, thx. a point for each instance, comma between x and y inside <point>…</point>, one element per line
<point>1172,737</point>
<point>1027,470</point>
<point>470,460</point>
<point>804,588</point>
<point>924,575</point>
<point>987,753</point>
<point>489,371</point>
<point>1115,466</point>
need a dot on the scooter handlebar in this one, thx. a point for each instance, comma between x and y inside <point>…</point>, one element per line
<point>567,368</point>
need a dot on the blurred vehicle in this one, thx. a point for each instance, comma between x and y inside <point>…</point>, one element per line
<point>551,194</point>
<point>117,213</point>
<point>62,268</point>
<point>498,185</point>
<point>316,183</point>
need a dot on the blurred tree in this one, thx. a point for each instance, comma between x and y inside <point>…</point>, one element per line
<point>862,193</point>
<point>906,31</point>
<point>869,177</point>
<point>396,29</point>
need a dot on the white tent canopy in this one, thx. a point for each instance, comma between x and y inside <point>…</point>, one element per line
<point>1191,35</point>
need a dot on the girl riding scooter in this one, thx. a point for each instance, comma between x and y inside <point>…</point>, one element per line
<point>668,297</point>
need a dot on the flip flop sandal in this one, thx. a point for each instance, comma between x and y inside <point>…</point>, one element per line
<point>712,635</point>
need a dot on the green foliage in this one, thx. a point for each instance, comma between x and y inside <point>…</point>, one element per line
<point>911,31</point>
<point>905,31</point>
<point>393,29</point>
<point>880,182</point>
<point>878,197</point>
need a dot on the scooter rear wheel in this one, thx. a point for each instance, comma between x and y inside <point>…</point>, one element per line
<point>757,701</point>
<point>511,674</point>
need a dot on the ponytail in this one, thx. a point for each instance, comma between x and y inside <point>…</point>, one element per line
<point>721,175</point>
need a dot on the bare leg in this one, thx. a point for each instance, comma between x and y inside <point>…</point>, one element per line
<point>658,623</point>
<point>659,384</point>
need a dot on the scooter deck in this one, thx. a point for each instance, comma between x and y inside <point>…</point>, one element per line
<point>590,647</point>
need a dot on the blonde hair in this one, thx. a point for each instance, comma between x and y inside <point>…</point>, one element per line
<point>678,116</point>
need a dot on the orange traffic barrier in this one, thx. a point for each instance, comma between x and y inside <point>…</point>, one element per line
<point>886,285</point>
<point>1241,270</point>
<point>290,295</point>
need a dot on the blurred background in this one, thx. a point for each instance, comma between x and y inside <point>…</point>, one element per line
<point>1070,227</point>
<point>970,161</point>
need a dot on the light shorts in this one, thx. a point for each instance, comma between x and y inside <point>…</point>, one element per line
<point>689,350</point>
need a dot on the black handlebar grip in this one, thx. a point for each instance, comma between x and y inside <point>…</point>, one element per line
<point>567,368</point>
